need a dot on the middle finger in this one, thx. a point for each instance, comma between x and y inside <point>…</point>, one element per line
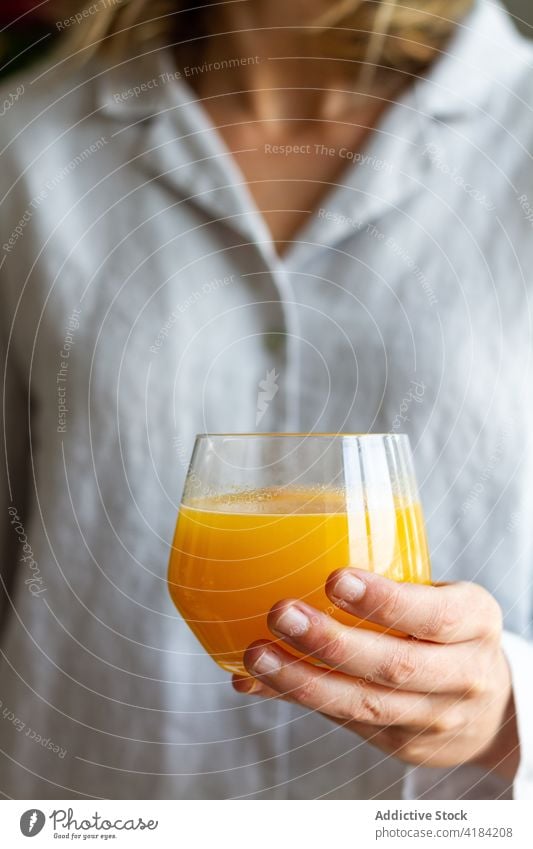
<point>373,656</point>
<point>338,696</point>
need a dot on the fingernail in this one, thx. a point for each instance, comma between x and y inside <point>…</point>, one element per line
<point>292,622</point>
<point>267,663</point>
<point>348,587</point>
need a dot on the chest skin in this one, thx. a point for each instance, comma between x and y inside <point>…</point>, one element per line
<point>290,166</point>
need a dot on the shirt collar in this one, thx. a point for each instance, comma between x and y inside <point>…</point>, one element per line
<point>171,138</point>
<point>483,54</point>
<point>140,87</point>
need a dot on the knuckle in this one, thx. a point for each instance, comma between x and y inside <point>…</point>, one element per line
<point>400,666</point>
<point>305,692</point>
<point>477,687</point>
<point>391,606</point>
<point>477,675</point>
<point>493,617</point>
<point>332,649</point>
<point>449,721</point>
<point>443,620</point>
<point>369,708</point>
<point>476,670</point>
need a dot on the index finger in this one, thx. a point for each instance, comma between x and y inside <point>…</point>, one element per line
<point>449,613</point>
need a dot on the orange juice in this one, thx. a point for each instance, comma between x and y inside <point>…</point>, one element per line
<point>234,556</point>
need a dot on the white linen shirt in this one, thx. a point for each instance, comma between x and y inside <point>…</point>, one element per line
<point>142,301</point>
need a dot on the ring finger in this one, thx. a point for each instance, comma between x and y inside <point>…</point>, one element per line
<point>335,694</point>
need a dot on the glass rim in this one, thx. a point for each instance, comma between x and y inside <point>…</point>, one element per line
<point>299,435</point>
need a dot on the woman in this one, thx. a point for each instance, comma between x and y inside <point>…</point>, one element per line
<point>338,193</point>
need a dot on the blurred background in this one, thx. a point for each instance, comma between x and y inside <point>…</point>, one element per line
<point>27,28</point>
<point>523,12</point>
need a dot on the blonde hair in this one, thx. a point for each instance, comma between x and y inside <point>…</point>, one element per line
<point>401,35</point>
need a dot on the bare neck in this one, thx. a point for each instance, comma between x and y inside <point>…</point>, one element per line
<point>273,68</point>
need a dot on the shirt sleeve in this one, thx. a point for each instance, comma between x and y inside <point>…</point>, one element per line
<point>473,782</point>
<point>13,459</point>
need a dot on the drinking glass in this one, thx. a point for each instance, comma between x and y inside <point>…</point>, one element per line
<point>269,516</point>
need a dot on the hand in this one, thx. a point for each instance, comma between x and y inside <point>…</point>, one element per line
<point>441,696</point>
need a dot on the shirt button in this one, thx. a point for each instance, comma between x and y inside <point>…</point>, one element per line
<point>274,341</point>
